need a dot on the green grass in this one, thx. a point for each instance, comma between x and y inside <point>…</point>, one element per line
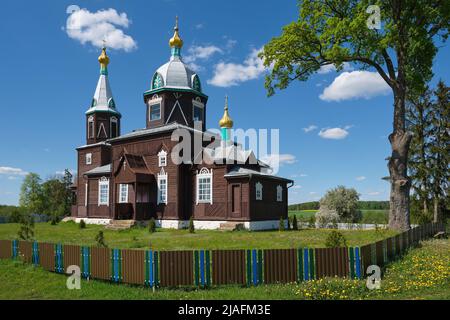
<point>368,216</point>
<point>169,239</point>
<point>423,273</point>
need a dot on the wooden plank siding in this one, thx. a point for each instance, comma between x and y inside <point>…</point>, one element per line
<point>26,250</point>
<point>5,249</point>
<point>331,262</point>
<point>228,267</point>
<point>176,268</point>
<point>101,263</point>
<point>72,256</point>
<point>133,266</point>
<point>47,256</point>
<point>280,265</point>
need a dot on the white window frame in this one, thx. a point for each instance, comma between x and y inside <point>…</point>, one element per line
<point>88,158</point>
<point>103,182</point>
<point>151,103</point>
<point>114,120</point>
<point>162,158</point>
<point>198,104</point>
<point>162,176</point>
<point>86,194</point>
<point>279,193</point>
<point>204,173</point>
<point>259,191</point>
<point>91,132</point>
<point>123,193</point>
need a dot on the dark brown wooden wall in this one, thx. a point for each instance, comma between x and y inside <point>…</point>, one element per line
<point>280,265</point>
<point>228,267</point>
<point>268,208</point>
<point>176,268</point>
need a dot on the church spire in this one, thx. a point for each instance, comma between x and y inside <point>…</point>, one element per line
<point>103,59</point>
<point>176,43</point>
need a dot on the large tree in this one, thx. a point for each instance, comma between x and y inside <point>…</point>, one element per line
<point>31,195</point>
<point>401,51</point>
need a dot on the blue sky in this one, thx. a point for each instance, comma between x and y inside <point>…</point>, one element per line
<point>333,128</point>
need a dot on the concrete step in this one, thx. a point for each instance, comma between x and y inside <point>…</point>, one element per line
<point>231,226</point>
<point>120,224</point>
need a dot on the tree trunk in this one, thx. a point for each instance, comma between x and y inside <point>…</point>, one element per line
<point>400,139</point>
<point>436,210</point>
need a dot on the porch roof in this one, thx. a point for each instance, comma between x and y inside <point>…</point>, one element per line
<point>106,169</point>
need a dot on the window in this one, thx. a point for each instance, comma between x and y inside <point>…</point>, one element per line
<point>157,81</point>
<point>91,131</point>
<point>279,193</point>
<point>155,112</point>
<point>88,158</point>
<point>123,193</point>
<point>114,132</point>
<point>196,84</point>
<point>204,186</point>
<point>197,111</point>
<point>162,155</point>
<point>162,187</point>
<point>259,188</point>
<point>103,192</point>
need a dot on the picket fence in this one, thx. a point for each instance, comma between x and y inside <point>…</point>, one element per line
<point>205,268</point>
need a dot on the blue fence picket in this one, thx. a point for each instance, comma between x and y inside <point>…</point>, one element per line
<point>15,248</point>
<point>35,253</point>
<point>306,264</point>
<point>116,265</point>
<point>357,263</point>
<point>85,262</point>
<point>59,261</point>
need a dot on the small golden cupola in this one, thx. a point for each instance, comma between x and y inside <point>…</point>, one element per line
<point>176,42</point>
<point>103,59</point>
<point>226,121</point>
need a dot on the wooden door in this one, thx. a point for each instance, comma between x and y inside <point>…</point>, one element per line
<point>236,200</point>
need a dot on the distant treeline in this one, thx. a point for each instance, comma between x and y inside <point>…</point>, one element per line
<point>7,210</point>
<point>362,205</point>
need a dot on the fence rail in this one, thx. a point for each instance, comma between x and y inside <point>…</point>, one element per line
<point>203,268</point>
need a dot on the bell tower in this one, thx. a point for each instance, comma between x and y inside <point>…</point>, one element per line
<point>102,118</point>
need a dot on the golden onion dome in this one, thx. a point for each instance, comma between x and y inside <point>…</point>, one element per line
<point>176,41</point>
<point>226,121</point>
<point>103,59</point>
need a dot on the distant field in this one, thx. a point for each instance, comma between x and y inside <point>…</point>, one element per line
<point>369,216</point>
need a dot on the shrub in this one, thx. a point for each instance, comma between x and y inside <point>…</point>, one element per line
<point>82,224</point>
<point>343,202</point>
<point>100,239</point>
<point>191,225</point>
<point>15,216</point>
<point>326,216</point>
<point>335,239</point>
<point>26,229</point>
<point>152,225</point>
<point>312,222</point>
<point>294,223</point>
<point>281,224</point>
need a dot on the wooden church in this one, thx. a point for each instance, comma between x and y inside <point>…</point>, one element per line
<point>133,176</point>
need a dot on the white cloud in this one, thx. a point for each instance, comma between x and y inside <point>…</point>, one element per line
<point>231,74</point>
<point>354,85</point>
<point>297,186</point>
<point>12,171</point>
<point>373,193</point>
<point>333,133</point>
<point>310,128</point>
<point>281,159</point>
<point>360,178</point>
<point>313,193</point>
<point>331,67</point>
<point>94,27</point>
<point>200,53</point>
<point>199,26</point>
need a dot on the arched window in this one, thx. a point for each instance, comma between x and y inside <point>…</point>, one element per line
<point>157,81</point>
<point>91,129</point>
<point>162,187</point>
<point>196,84</point>
<point>279,193</point>
<point>197,110</point>
<point>114,129</point>
<point>111,103</point>
<point>103,191</point>
<point>204,186</point>
<point>162,158</point>
<point>259,191</point>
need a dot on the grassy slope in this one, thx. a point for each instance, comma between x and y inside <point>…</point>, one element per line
<point>424,273</point>
<point>166,239</point>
